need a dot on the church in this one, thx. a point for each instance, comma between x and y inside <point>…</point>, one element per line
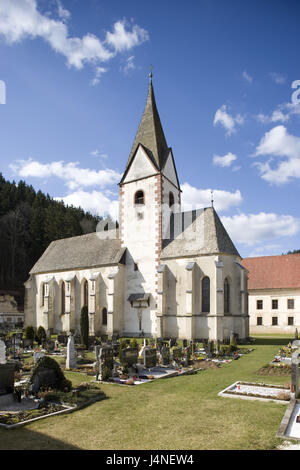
<point>163,273</point>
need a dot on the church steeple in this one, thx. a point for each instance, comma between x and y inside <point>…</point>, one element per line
<point>150,132</point>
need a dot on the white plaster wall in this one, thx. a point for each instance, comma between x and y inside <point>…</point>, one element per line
<point>282,295</point>
<point>140,236</point>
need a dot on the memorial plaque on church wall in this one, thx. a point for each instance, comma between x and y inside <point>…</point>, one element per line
<point>150,357</point>
<point>130,356</point>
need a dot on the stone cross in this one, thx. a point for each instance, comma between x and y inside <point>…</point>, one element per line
<point>71,359</point>
<point>2,352</point>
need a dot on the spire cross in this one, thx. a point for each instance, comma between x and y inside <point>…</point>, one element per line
<point>150,68</point>
<point>212,198</point>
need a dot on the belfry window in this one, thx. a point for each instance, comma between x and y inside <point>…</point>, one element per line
<point>171,199</point>
<point>139,198</point>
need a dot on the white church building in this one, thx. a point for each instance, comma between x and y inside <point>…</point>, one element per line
<point>163,273</point>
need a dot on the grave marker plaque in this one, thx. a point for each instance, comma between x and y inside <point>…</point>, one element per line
<point>150,357</point>
<point>130,356</point>
<point>165,356</point>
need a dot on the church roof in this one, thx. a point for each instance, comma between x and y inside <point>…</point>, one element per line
<point>150,133</point>
<point>202,233</point>
<point>85,251</point>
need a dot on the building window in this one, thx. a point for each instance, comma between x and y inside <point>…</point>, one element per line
<point>274,304</point>
<point>259,304</point>
<point>63,298</point>
<point>206,294</point>
<point>290,321</point>
<point>226,296</point>
<point>171,199</point>
<point>274,321</point>
<point>85,294</point>
<point>135,267</point>
<point>139,198</point>
<point>20,319</point>
<point>104,316</point>
<point>290,304</point>
<point>259,321</point>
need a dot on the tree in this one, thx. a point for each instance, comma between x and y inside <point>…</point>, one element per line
<point>84,326</point>
<point>29,333</point>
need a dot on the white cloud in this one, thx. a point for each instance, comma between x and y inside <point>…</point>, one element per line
<point>278,78</point>
<point>62,12</point>
<point>259,227</point>
<point>97,153</point>
<point>226,160</point>
<point>277,142</point>
<point>122,40</point>
<point>20,19</point>
<point>193,198</point>
<point>226,120</point>
<point>129,65</point>
<point>73,176</point>
<point>247,77</point>
<point>95,202</point>
<point>99,71</point>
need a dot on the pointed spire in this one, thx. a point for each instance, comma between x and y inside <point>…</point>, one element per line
<point>150,132</point>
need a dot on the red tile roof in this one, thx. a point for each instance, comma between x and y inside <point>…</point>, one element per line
<point>273,272</point>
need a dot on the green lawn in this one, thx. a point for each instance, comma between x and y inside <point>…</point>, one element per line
<point>177,413</point>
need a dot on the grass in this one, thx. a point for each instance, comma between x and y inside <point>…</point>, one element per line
<point>177,413</point>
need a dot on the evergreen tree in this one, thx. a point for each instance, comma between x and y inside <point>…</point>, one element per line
<point>84,326</point>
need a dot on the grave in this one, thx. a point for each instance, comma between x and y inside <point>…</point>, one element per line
<point>130,356</point>
<point>150,358</point>
<point>165,356</point>
<point>7,377</point>
<point>257,391</point>
<point>71,354</point>
<point>105,360</point>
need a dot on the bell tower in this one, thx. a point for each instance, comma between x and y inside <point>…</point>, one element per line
<point>149,190</point>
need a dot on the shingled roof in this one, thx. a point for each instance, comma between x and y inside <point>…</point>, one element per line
<point>85,251</point>
<point>203,233</point>
<point>150,133</point>
<point>273,272</point>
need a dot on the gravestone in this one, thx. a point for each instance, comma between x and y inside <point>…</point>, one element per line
<point>2,352</point>
<point>106,363</point>
<point>176,354</point>
<point>150,358</point>
<point>172,342</point>
<point>186,356</point>
<point>63,339</point>
<point>130,356</point>
<point>49,344</point>
<point>165,356</point>
<point>37,355</point>
<point>296,333</point>
<point>71,354</point>
<point>116,348</point>
<point>7,376</point>
<point>184,343</point>
<point>159,343</point>
<point>27,343</point>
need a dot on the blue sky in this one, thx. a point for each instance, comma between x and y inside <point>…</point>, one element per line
<point>76,77</point>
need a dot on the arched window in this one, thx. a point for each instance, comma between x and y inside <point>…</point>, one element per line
<point>85,294</point>
<point>104,316</point>
<point>171,199</point>
<point>43,292</point>
<point>226,296</point>
<point>63,298</point>
<point>206,294</point>
<point>139,198</point>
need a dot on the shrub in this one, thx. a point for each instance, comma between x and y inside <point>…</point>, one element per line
<point>47,362</point>
<point>41,334</point>
<point>134,343</point>
<point>233,344</point>
<point>29,333</point>
<point>84,326</point>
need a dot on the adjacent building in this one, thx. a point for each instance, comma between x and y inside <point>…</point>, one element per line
<point>11,313</point>
<point>274,293</point>
<point>163,273</point>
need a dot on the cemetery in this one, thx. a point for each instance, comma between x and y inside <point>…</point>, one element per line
<point>61,375</point>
